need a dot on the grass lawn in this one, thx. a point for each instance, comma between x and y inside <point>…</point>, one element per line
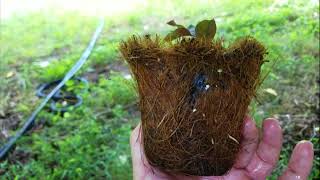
<point>92,141</point>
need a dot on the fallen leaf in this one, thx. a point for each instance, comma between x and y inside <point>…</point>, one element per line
<point>271,91</point>
<point>10,74</point>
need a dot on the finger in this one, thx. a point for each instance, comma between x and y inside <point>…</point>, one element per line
<point>237,174</point>
<point>249,143</point>
<point>300,163</point>
<point>140,165</point>
<point>135,135</point>
<point>267,154</point>
<point>231,175</point>
<point>137,153</point>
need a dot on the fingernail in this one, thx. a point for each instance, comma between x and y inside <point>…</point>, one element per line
<point>306,142</point>
<point>305,152</point>
<point>272,119</point>
<point>249,123</point>
<point>274,124</point>
<point>302,141</point>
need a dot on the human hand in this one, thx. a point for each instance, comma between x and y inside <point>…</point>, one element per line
<point>256,160</point>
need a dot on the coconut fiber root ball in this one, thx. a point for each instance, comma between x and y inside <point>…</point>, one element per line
<point>194,94</point>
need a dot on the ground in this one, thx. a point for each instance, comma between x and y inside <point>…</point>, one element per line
<point>93,140</point>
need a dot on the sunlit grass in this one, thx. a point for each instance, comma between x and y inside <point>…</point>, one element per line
<point>40,46</point>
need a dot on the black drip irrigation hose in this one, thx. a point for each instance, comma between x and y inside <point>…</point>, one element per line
<point>28,124</point>
<point>62,95</point>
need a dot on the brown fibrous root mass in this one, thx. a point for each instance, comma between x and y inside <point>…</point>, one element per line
<point>194,95</point>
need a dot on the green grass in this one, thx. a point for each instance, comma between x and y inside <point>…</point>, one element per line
<point>92,141</point>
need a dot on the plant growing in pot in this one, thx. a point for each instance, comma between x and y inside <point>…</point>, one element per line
<point>194,94</point>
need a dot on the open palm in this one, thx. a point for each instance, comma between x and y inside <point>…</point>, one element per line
<point>256,159</point>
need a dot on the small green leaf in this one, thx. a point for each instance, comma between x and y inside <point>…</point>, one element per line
<point>206,29</point>
<point>180,32</point>
<point>173,23</point>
